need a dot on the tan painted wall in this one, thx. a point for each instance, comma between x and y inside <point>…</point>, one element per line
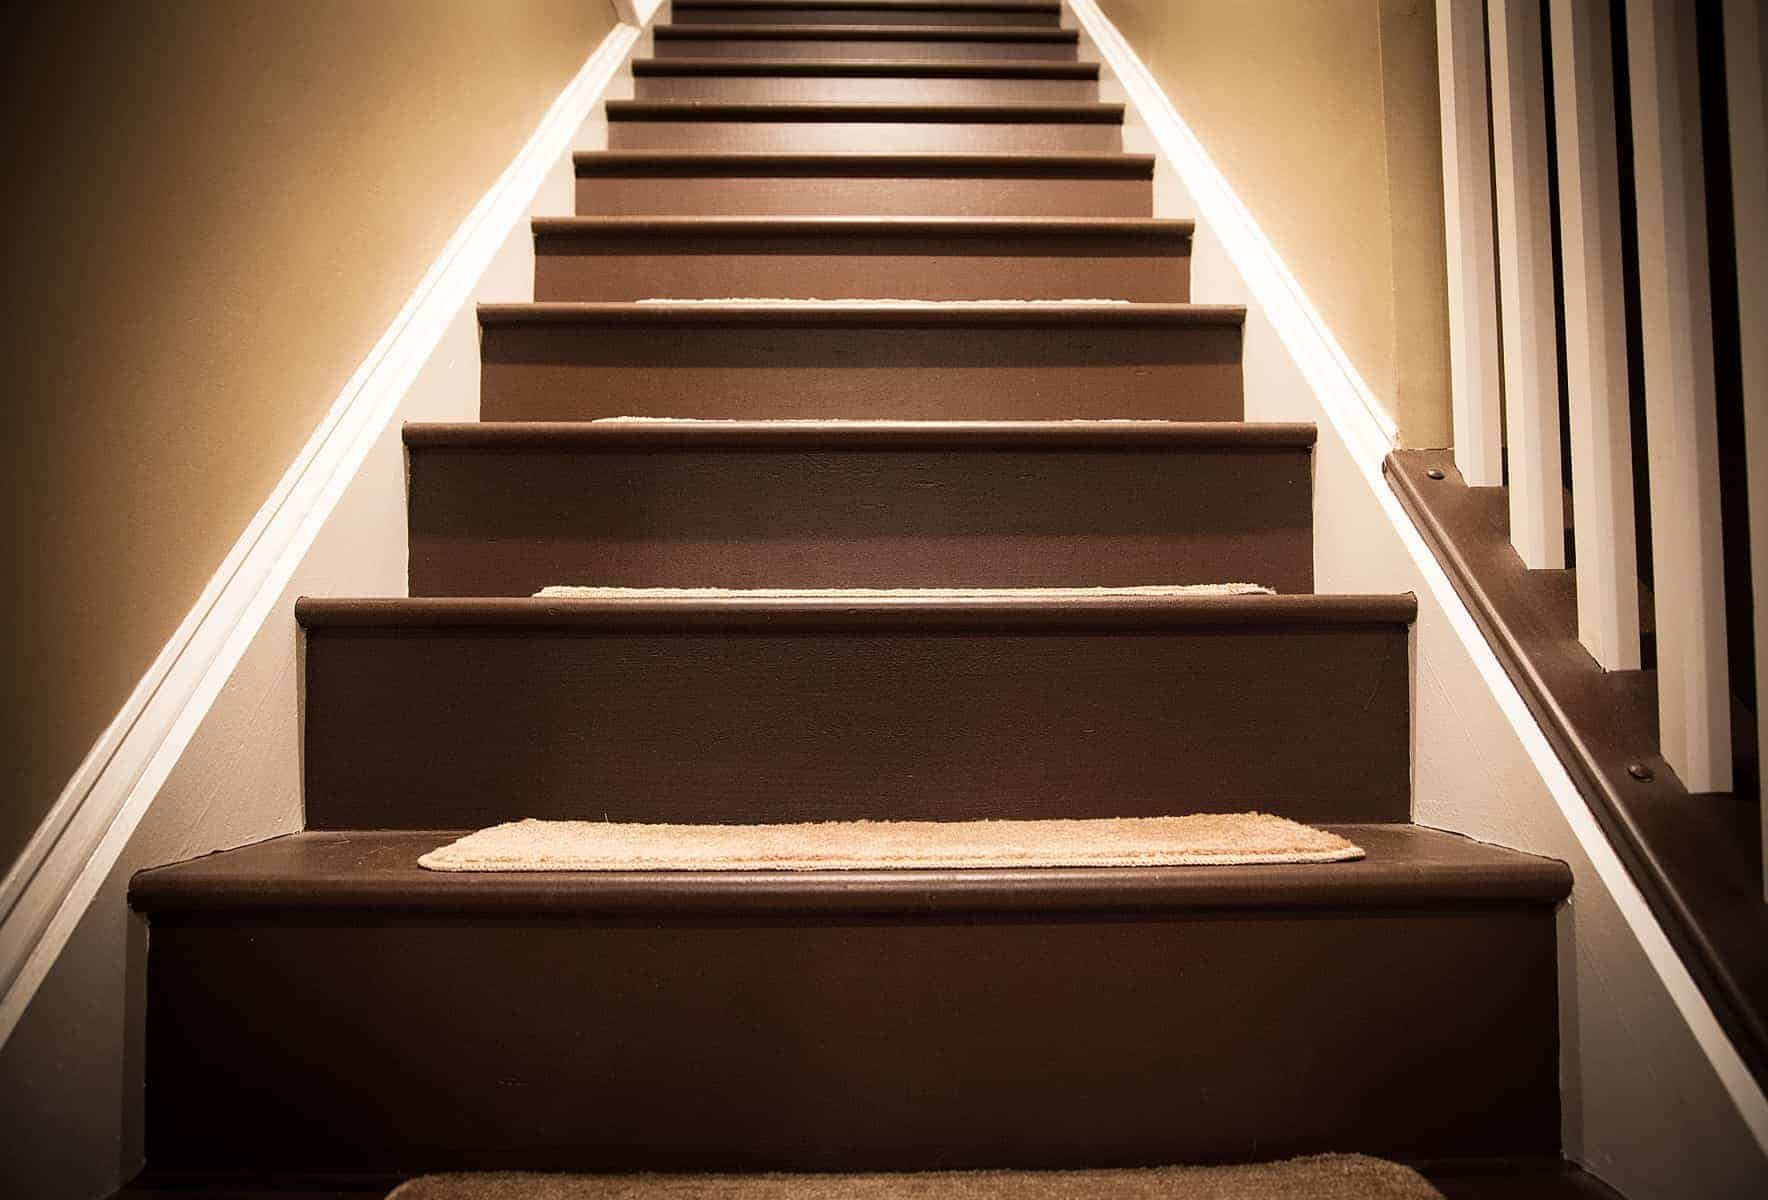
<point>1323,116</point>
<point>215,208</point>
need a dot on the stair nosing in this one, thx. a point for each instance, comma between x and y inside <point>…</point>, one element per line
<point>874,112</point>
<point>625,436</point>
<point>1507,879</point>
<point>1108,164</point>
<point>894,226</point>
<point>918,68</point>
<point>786,32</point>
<point>868,614</point>
<point>810,312</point>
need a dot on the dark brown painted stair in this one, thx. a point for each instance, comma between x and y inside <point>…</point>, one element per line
<point>685,183</point>
<point>1035,13</point>
<point>920,42</point>
<point>888,1020</point>
<point>749,710</point>
<point>504,510</point>
<point>914,258</point>
<point>566,362</point>
<point>319,1008</point>
<point>1532,1177</point>
<point>896,80</point>
<point>924,128</point>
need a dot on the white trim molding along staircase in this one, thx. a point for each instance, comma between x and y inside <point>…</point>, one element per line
<point>929,498</point>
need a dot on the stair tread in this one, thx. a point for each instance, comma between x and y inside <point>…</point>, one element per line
<point>1407,866</point>
<point>859,435</point>
<point>823,312</point>
<point>1562,1182</point>
<point>1067,112</point>
<point>992,610</point>
<point>1103,162</point>
<point>917,67</point>
<point>786,31</point>
<point>905,226</point>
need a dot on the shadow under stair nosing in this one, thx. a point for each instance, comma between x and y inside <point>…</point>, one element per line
<point>723,183</point>
<point>564,361</point>
<point>612,259</point>
<point>507,509</point>
<point>905,707</point>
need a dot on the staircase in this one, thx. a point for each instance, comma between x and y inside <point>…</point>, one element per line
<point>323,1014</point>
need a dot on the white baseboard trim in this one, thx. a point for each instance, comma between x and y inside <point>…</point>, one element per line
<point>1370,434</point>
<point>49,887</point>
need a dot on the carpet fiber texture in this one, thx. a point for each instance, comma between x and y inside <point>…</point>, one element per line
<point>1325,1177</point>
<point>862,302</point>
<point>568,592</point>
<point>1203,839</point>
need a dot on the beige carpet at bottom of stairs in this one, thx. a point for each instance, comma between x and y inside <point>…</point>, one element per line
<point>1202,839</point>
<point>1324,1177</point>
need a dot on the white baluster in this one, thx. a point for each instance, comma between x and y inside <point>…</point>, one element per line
<point>1595,334</point>
<point>1525,285</point>
<point>1688,569</point>
<point>1467,204</point>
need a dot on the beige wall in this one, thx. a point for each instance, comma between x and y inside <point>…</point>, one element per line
<point>215,207</point>
<point>1323,116</point>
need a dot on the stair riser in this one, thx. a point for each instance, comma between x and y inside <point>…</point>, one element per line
<point>424,728</point>
<point>866,137</point>
<point>839,15</point>
<point>683,193</point>
<point>491,523</point>
<point>567,373</point>
<point>848,1044</point>
<point>648,265</point>
<point>884,89</point>
<point>867,48</point>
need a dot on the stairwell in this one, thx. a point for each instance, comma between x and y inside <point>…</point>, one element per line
<point>896,179</point>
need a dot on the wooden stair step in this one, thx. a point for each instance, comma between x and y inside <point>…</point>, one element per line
<point>567,362</point>
<point>602,259</point>
<point>426,713</point>
<point>854,80</point>
<point>507,509</point>
<point>1003,185</point>
<point>846,1021</point>
<point>864,41</point>
<point>1034,13</point>
<point>1529,1178</point>
<point>759,126</point>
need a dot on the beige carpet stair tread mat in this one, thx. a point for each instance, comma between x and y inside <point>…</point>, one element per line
<point>862,302</point>
<point>1202,839</point>
<point>1324,1177</point>
<point>569,592</point>
<point>845,422</point>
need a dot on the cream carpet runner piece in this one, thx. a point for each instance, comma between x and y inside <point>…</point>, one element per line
<point>565,592</point>
<point>862,302</point>
<point>1203,839</point>
<point>1325,1177</point>
<point>850,422</point>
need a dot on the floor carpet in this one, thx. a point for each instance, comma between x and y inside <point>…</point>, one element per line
<point>1325,1177</point>
<point>1203,839</point>
<point>1166,590</point>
